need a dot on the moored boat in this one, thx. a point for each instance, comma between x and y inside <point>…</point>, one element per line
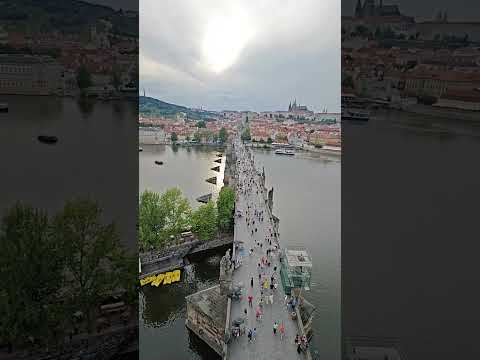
<point>284,152</point>
<point>355,114</point>
<point>47,139</point>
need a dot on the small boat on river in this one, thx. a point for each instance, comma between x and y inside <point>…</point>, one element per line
<point>284,152</point>
<point>47,139</point>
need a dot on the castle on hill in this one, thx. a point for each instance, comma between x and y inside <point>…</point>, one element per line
<point>293,107</point>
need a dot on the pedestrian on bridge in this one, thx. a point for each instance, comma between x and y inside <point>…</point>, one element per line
<point>258,314</point>
<point>275,327</point>
<point>282,330</point>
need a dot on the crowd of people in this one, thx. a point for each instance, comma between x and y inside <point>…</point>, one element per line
<point>263,250</point>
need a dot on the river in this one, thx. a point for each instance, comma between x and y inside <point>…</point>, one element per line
<point>409,214</point>
<point>95,156</point>
<point>307,201</point>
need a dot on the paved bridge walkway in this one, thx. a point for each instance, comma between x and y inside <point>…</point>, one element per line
<point>266,345</point>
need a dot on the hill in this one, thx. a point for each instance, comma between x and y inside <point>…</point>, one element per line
<point>149,106</point>
<point>68,16</point>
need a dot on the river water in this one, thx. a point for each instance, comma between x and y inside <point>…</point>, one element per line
<point>94,158</point>
<point>307,201</point>
<point>409,218</point>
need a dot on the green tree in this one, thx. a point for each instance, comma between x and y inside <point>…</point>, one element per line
<point>204,221</point>
<point>225,208</point>
<point>116,77</point>
<point>90,250</point>
<point>361,30</point>
<point>175,211</point>
<point>197,137</point>
<point>222,135</point>
<point>31,276</point>
<point>269,140</point>
<point>246,134</point>
<point>208,135</point>
<point>201,124</point>
<point>151,220</point>
<point>348,82</point>
<point>84,79</point>
<point>174,137</point>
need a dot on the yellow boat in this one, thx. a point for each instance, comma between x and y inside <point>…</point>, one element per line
<point>165,278</point>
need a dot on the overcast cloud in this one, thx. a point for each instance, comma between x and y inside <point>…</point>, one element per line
<point>241,55</point>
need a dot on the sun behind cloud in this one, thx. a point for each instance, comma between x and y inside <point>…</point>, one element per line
<point>225,38</point>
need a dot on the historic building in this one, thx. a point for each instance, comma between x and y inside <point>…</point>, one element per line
<point>30,75</point>
<point>369,8</point>
<point>294,108</point>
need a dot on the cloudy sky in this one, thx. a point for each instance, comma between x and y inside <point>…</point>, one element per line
<point>241,54</point>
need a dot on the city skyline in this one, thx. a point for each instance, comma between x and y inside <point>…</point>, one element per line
<point>241,55</point>
<point>423,10</point>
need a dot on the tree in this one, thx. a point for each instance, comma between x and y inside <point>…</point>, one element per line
<point>225,208</point>
<point>269,140</point>
<point>348,81</point>
<point>90,250</point>
<point>362,30</point>
<point>150,219</point>
<point>175,211</point>
<point>208,135</point>
<point>197,137</point>
<point>222,135</point>
<point>116,78</point>
<point>201,124</point>
<point>204,221</point>
<point>83,78</point>
<point>246,134</point>
<point>174,137</point>
<point>31,277</point>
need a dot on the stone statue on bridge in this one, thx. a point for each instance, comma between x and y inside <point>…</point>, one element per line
<point>225,273</point>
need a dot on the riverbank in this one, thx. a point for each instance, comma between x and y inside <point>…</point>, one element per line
<point>441,112</point>
<point>175,257</point>
<point>327,150</point>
